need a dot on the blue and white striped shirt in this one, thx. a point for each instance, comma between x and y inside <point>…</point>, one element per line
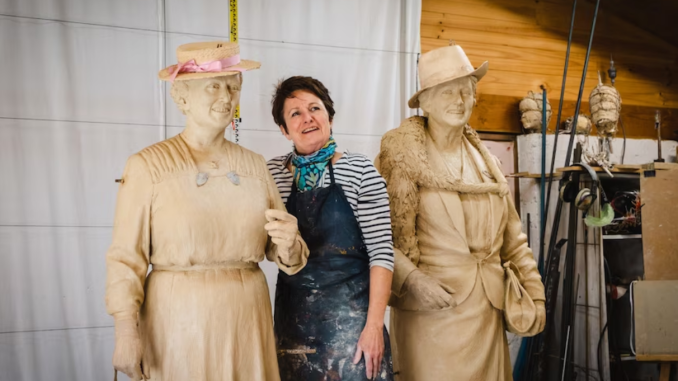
<point>365,191</point>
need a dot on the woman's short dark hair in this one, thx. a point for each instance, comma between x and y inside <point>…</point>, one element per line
<point>285,88</point>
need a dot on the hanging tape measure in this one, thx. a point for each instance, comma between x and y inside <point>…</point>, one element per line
<point>233,13</point>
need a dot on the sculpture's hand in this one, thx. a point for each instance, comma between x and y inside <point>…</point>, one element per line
<point>432,294</point>
<point>541,314</point>
<point>128,347</point>
<point>283,229</point>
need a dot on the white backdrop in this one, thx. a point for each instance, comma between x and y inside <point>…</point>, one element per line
<point>79,94</point>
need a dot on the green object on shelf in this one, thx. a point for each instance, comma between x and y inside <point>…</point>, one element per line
<point>605,218</point>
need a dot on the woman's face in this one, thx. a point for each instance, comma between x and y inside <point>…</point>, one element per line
<point>308,123</point>
<point>449,103</point>
<point>211,102</point>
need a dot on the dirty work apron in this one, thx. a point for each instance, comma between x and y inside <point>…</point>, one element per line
<point>321,311</point>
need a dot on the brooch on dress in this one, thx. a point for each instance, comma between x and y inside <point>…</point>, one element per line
<point>235,179</point>
<point>202,178</point>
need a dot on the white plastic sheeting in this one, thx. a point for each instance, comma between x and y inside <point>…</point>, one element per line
<point>79,94</point>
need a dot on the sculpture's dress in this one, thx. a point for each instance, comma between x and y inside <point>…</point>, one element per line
<point>204,309</point>
<point>463,232</point>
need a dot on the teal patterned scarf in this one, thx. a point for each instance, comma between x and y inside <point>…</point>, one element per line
<point>308,170</point>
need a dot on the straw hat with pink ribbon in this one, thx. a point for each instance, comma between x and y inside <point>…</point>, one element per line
<point>207,60</point>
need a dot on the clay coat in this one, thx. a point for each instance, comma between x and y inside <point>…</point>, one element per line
<point>404,164</point>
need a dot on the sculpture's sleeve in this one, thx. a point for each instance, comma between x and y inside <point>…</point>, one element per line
<point>299,252</point>
<point>515,249</point>
<point>128,257</point>
<point>403,269</point>
<point>403,197</point>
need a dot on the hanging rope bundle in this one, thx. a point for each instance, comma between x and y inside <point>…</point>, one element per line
<point>605,105</point>
<point>531,111</point>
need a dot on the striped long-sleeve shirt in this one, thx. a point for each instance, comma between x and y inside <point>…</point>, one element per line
<point>365,191</point>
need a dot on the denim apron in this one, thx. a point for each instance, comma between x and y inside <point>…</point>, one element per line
<point>321,311</point>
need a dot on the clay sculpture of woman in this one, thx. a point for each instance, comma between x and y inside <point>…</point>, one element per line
<point>201,212</point>
<point>329,317</point>
<point>455,228</point>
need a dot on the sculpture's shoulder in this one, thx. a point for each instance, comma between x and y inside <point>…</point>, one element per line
<point>410,130</point>
<point>167,157</point>
<point>248,162</point>
<point>405,144</point>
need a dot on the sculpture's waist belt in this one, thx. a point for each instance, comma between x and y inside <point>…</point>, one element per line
<point>207,267</point>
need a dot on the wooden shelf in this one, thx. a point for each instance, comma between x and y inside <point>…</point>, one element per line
<point>528,175</point>
<point>618,169</point>
<point>623,236</point>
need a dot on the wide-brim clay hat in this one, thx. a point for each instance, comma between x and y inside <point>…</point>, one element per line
<point>207,60</point>
<point>443,65</point>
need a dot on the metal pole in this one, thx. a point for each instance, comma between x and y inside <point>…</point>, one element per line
<point>581,87</point>
<point>542,184</point>
<point>567,342</point>
<point>570,265</point>
<point>555,138</point>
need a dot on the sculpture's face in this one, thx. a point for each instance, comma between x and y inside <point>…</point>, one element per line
<point>211,102</point>
<point>308,122</point>
<point>449,103</point>
<point>531,120</point>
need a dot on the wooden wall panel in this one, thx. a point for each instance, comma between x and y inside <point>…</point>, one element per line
<point>525,43</point>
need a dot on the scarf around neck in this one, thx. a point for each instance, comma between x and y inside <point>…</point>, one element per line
<point>308,169</point>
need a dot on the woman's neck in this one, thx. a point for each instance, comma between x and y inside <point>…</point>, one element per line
<point>203,139</point>
<point>446,138</point>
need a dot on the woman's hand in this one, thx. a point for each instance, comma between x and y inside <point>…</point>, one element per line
<point>541,314</point>
<point>128,348</point>
<point>282,228</point>
<point>371,345</point>
<point>431,294</point>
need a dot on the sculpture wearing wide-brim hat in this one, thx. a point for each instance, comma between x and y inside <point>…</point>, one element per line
<point>443,65</point>
<point>207,60</point>
<point>454,227</point>
<point>196,208</point>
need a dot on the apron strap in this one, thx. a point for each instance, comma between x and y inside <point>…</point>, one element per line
<point>331,172</point>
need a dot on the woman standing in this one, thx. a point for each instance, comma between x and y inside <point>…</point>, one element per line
<point>196,207</point>
<point>331,314</point>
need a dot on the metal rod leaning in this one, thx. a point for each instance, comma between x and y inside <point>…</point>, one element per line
<point>555,138</point>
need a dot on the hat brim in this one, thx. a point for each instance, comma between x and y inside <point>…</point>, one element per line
<point>479,73</point>
<point>246,65</point>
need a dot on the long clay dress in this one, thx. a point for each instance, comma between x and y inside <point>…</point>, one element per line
<point>459,233</point>
<point>204,309</point>
<point>471,335</point>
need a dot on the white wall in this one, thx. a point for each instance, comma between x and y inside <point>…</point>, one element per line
<point>79,94</point>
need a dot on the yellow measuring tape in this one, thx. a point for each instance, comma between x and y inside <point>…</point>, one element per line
<point>233,13</point>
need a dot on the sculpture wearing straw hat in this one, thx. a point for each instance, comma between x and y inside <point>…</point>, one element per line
<point>456,229</point>
<point>203,212</point>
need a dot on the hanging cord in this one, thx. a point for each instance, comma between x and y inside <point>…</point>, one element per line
<point>633,323</point>
<point>621,123</point>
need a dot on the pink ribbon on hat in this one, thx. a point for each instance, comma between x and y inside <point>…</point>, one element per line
<point>218,66</point>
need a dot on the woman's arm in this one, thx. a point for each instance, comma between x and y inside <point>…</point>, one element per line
<point>294,255</point>
<point>515,249</point>
<point>128,257</point>
<point>127,262</point>
<point>374,217</point>
<point>371,342</point>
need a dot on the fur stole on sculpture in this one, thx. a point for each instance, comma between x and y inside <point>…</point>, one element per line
<point>405,166</point>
